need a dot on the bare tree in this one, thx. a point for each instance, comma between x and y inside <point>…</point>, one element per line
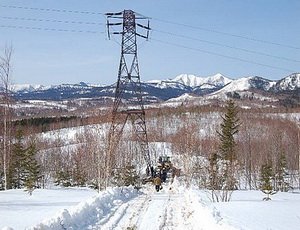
<point>5,75</point>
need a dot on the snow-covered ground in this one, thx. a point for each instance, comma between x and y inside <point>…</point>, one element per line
<point>174,207</point>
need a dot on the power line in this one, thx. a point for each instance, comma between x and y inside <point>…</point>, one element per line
<point>227,34</point>
<point>160,20</point>
<point>227,46</point>
<point>50,29</point>
<point>165,32</point>
<point>51,10</point>
<point>51,20</point>
<point>222,55</point>
<point>153,39</point>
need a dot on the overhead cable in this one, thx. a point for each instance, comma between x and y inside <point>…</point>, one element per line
<point>226,46</point>
<point>222,55</point>
<point>51,10</point>
<point>228,34</point>
<point>50,29</point>
<point>50,20</point>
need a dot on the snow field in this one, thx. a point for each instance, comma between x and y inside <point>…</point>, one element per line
<point>19,211</point>
<point>173,208</point>
<point>91,213</point>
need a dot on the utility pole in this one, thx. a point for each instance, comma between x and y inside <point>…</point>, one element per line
<point>128,103</point>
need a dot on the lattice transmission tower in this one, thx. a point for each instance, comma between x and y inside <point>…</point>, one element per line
<point>128,102</point>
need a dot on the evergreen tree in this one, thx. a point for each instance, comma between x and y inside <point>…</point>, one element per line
<point>126,176</point>
<point>32,169</point>
<point>24,168</point>
<point>63,178</point>
<point>79,177</point>
<point>225,162</point>
<point>229,127</point>
<point>130,176</point>
<point>16,173</point>
<point>281,173</point>
<point>266,180</point>
<point>117,177</point>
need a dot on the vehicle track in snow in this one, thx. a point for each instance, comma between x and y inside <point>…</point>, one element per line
<point>164,210</point>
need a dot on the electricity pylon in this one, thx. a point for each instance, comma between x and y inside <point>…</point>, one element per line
<point>128,103</point>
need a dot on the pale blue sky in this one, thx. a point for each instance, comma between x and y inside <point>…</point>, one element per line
<point>54,57</point>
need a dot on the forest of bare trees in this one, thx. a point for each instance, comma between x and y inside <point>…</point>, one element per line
<point>192,133</point>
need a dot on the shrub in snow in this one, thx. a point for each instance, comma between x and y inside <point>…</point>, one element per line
<point>126,176</point>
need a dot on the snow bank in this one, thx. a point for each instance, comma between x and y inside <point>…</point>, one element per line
<point>88,212</point>
<point>205,217</point>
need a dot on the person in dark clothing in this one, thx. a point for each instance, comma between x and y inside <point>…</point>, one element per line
<point>157,183</point>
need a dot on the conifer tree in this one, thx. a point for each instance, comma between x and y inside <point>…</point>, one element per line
<point>16,175</point>
<point>229,127</point>
<point>130,176</point>
<point>32,168</point>
<point>266,180</point>
<point>63,178</point>
<point>227,158</point>
<point>24,168</point>
<point>281,173</point>
<point>126,176</point>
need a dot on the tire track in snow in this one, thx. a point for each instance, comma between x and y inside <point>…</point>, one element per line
<point>152,216</point>
<point>125,215</point>
<point>177,213</point>
<point>165,210</point>
<point>111,221</point>
<point>140,208</point>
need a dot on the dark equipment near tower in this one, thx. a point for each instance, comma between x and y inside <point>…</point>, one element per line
<point>128,103</point>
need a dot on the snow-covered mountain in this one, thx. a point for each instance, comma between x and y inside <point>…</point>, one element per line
<point>26,87</point>
<point>248,83</point>
<point>291,82</point>
<point>162,90</point>
<point>216,80</point>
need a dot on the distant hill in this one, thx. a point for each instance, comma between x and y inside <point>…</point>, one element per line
<point>216,86</point>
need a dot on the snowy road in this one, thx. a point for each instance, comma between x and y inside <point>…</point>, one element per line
<point>165,210</point>
<point>152,211</point>
<point>171,208</point>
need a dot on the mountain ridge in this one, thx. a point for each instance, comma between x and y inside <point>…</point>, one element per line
<point>162,90</point>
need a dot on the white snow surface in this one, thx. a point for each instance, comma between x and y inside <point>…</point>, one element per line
<point>237,85</point>
<point>291,82</point>
<point>181,98</point>
<point>26,87</point>
<point>194,81</point>
<point>174,207</point>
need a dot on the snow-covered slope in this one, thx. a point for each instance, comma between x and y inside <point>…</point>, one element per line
<point>237,85</point>
<point>189,80</point>
<point>291,82</point>
<point>26,87</point>
<point>247,83</point>
<point>216,80</point>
